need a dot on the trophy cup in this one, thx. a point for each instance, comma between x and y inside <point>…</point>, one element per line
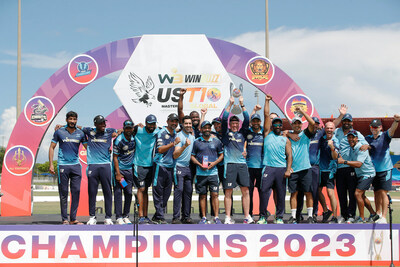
<point>236,93</point>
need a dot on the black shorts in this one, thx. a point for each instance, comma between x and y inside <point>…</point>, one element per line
<point>142,176</point>
<point>326,181</point>
<point>203,182</point>
<point>383,181</point>
<point>300,181</point>
<point>236,174</point>
<point>364,182</point>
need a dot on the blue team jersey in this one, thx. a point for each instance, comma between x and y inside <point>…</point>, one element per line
<point>145,143</point>
<point>234,141</point>
<point>274,150</point>
<point>99,145</point>
<point>166,159</point>
<point>184,159</point>
<point>325,153</point>
<point>344,146</point>
<point>313,150</point>
<point>125,149</point>
<point>300,151</point>
<point>255,143</point>
<point>69,145</point>
<point>210,149</point>
<point>367,168</point>
<point>379,151</point>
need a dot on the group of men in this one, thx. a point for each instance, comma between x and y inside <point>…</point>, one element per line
<point>224,151</point>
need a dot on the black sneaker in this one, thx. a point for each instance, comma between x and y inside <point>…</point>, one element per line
<point>176,221</point>
<point>310,220</point>
<point>299,219</point>
<point>292,220</point>
<point>159,221</point>
<point>187,221</point>
<point>326,215</point>
<point>333,220</point>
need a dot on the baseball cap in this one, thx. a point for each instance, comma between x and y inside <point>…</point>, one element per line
<point>316,120</point>
<point>276,119</point>
<point>204,123</point>
<point>128,124</point>
<point>216,120</point>
<point>151,119</point>
<point>255,116</point>
<point>99,119</point>
<point>376,123</point>
<point>173,117</point>
<point>234,118</point>
<point>353,133</point>
<point>347,116</point>
<point>296,119</point>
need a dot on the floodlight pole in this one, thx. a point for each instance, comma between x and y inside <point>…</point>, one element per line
<point>266,30</point>
<point>19,62</point>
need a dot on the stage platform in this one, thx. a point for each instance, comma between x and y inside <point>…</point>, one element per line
<point>42,240</point>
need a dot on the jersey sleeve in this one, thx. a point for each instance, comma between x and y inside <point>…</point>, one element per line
<point>116,147</point>
<point>362,155</point>
<point>55,137</point>
<point>220,148</point>
<point>361,139</point>
<point>194,150</point>
<point>83,139</point>
<point>86,130</point>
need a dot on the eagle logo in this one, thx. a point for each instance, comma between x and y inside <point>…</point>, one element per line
<point>141,91</point>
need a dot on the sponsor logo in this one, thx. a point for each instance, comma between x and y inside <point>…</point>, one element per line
<point>259,70</point>
<point>167,136</point>
<point>141,91</point>
<point>300,101</point>
<point>83,69</point>
<point>214,94</point>
<point>125,148</point>
<point>250,137</point>
<point>39,111</point>
<point>19,160</point>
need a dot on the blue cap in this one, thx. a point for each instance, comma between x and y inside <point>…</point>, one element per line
<point>216,120</point>
<point>276,119</point>
<point>151,119</point>
<point>234,118</point>
<point>173,117</point>
<point>128,124</point>
<point>204,123</point>
<point>347,116</point>
<point>353,133</point>
<point>99,119</point>
<point>316,120</point>
<point>255,116</point>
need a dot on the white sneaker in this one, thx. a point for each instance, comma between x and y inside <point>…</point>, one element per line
<point>127,221</point>
<point>92,221</point>
<point>382,220</point>
<point>108,221</point>
<point>119,221</point>
<point>229,220</point>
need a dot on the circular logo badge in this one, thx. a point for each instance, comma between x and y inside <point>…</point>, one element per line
<point>82,154</point>
<point>39,110</point>
<point>83,69</point>
<point>259,70</point>
<point>214,94</point>
<point>249,137</point>
<point>300,101</point>
<point>19,160</point>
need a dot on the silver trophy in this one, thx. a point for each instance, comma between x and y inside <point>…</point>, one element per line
<point>236,93</point>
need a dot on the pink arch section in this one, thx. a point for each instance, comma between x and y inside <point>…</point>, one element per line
<point>111,57</point>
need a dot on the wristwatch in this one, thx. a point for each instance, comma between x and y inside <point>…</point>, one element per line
<point>345,162</point>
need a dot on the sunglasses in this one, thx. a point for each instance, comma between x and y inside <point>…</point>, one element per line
<point>277,125</point>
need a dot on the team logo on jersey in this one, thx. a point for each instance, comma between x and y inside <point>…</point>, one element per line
<point>230,134</point>
<point>298,101</point>
<point>19,160</point>
<point>167,136</point>
<point>141,91</point>
<point>39,111</point>
<point>83,69</point>
<point>213,94</point>
<point>61,170</point>
<point>259,70</point>
<point>125,148</point>
<point>92,133</point>
<point>249,137</point>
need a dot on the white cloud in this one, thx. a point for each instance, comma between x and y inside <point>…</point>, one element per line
<point>8,120</point>
<point>356,66</point>
<point>39,61</point>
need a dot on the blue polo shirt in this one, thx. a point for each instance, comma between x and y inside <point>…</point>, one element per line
<point>300,151</point>
<point>255,143</point>
<point>234,141</point>
<point>145,143</point>
<point>274,150</point>
<point>325,154</point>
<point>211,149</point>
<point>344,146</point>
<point>166,159</point>
<point>379,151</point>
<point>125,149</point>
<point>69,145</point>
<point>314,150</point>
<point>184,159</point>
<point>367,168</point>
<point>99,145</point>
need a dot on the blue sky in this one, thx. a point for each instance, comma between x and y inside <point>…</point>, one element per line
<point>349,48</point>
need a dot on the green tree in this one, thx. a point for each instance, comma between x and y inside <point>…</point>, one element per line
<point>2,152</point>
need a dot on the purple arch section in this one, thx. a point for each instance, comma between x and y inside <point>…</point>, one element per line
<point>111,57</point>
